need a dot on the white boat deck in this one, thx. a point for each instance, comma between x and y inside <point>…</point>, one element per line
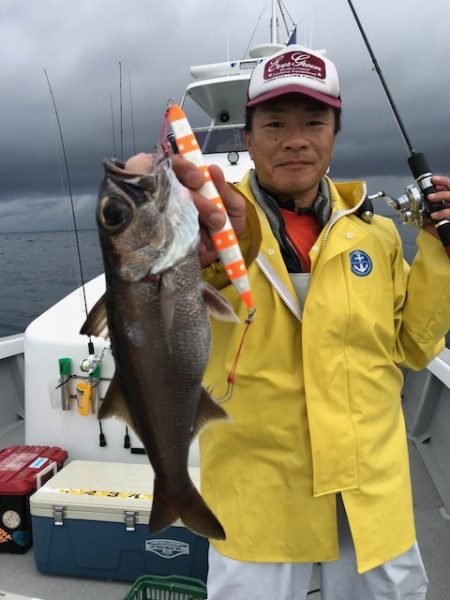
<point>18,574</point>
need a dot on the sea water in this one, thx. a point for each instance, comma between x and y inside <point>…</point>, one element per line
<point>39,269</point>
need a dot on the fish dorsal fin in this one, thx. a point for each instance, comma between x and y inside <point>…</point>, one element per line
<point>114,405</point>
<point>217,305</point>
<point>96,323</point>
<point>208,410</point>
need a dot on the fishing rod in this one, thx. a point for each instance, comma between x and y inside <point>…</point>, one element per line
<point>113,128</point>
<point>131,113</point>
<point>69,187</point>
<point>121,119</point>
<point>413,205</point>
<point>90,365</point>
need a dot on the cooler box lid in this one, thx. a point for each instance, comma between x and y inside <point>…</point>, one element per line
<point>20,466</point>
<point>8,596</point>
<point>100,491</point>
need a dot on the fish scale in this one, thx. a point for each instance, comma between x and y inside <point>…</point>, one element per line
<point>224,239</point>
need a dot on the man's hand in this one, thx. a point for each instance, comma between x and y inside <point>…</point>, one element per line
<point>209,216</point>
<point>442,194</point>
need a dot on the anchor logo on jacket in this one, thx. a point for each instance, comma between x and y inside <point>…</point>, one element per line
<point>360,263</point>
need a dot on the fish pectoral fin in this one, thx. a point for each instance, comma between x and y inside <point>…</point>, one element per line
<point>217,305</point>
<point>189,507</point>
<point>96,323</point>
<point>114,405</point>
<point>208,410</point>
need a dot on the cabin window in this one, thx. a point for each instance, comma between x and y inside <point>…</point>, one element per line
<point>223,139</point>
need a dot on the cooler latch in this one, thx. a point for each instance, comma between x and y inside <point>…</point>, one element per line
<point>130,517</point>
<point>58,515</point>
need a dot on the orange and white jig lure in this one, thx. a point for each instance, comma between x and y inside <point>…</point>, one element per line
<point>224,240</point>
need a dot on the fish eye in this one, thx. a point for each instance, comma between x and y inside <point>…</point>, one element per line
<point>115,213</point>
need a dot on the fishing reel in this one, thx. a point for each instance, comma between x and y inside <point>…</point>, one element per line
<point>90,364</point>
<point>410,205</point>
<point>414,206</point>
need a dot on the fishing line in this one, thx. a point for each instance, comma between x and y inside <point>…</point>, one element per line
<point>69,187</point>
<point>231,379</point>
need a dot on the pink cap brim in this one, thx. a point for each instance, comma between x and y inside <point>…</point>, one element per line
<point>296,89</point>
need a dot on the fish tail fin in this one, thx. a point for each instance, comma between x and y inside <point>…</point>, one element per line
<point>198,517</point>
<point>163,512</point>
<point>192,510</point>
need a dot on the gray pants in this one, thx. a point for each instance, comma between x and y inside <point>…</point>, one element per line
<point>402,578</point>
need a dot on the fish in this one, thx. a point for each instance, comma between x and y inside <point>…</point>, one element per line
<point>156,312</point>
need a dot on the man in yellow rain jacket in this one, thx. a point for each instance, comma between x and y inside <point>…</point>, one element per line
<point>313,466</point>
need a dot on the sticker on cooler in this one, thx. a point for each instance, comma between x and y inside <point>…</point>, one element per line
<point>37,464</point>
<point>100,493</point>
<point>167,548</point>
<point>4,536</point>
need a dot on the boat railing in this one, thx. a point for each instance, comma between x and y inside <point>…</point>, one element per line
<point>12,389</point>
<point>426,406</point>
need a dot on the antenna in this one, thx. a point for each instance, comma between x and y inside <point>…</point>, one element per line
<point>274,23</point>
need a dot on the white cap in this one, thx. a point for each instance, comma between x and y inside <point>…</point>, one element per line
<point>295,69</point>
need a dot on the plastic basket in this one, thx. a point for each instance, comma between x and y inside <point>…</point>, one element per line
<point>172,587</point>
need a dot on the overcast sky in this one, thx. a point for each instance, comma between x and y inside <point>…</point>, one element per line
<point>81,43</point>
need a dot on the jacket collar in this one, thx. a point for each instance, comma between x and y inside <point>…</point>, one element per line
<point>345,199</point>
<point>321,207</point>
<point>345,196</point>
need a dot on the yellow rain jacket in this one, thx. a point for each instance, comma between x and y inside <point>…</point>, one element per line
<point>316,404</point>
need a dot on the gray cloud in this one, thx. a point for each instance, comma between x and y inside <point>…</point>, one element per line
<point>80,45</point>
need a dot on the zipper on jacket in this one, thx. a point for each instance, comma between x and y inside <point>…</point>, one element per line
<point>278,285</point>
<point>332,222</point>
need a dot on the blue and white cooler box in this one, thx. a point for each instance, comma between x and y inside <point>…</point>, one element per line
<point>91,520</point>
